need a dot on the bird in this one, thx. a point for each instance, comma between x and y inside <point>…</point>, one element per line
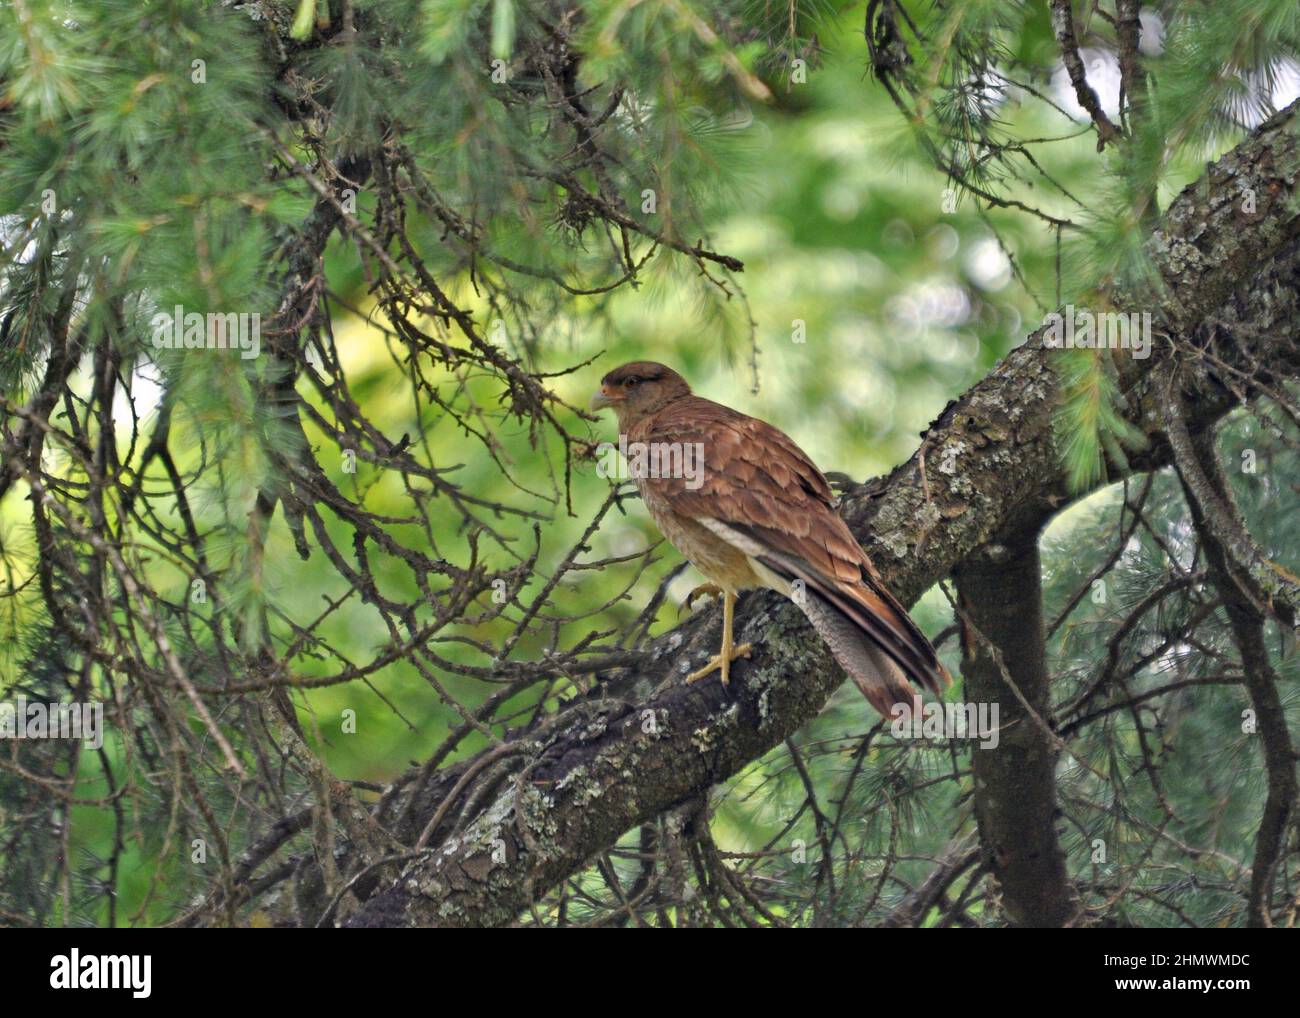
<point>756,512</point>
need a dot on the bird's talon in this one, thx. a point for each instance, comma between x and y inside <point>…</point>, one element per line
<point>714,664</point>
<point>719,663</point>
<point>700,673</point>
<point>703,590</point>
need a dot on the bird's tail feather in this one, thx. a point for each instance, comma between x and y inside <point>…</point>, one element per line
<point>871,636</point>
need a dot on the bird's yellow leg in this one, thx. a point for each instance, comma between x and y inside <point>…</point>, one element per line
<point>722,660</point>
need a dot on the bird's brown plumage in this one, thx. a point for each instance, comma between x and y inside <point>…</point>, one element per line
<point>760,514</point>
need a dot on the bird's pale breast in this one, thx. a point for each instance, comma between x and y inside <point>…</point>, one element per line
<point>720,562</point>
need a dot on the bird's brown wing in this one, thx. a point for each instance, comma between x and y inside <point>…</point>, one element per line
<point>768,498</point>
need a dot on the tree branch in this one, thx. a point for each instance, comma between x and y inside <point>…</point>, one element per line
<point>1245,603</point>
<point>1063,27</point>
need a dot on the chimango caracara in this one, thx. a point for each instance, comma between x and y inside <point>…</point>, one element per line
<point>760,514</point>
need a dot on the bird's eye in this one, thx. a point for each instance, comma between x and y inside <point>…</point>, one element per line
<point>631,383</point>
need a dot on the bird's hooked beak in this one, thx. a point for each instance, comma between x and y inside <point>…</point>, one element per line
<point>601,399</point>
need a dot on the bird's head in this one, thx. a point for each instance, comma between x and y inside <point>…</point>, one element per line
<point>639,388</point>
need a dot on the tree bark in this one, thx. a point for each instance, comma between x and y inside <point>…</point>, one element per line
<point>1001,597</point>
